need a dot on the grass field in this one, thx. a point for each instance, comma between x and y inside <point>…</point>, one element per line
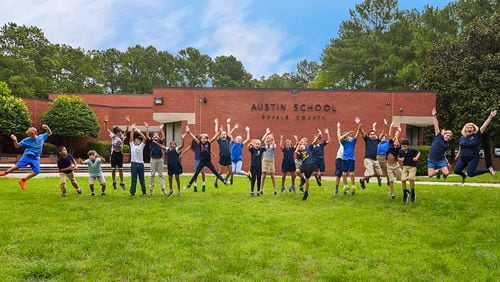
<point>484,178</point>
<point>450,233</point>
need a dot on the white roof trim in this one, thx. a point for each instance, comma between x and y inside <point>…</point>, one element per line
<point>174,117</point>
<point>412,120</point>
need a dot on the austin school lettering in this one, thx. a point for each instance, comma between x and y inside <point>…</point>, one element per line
<point>305,111</point>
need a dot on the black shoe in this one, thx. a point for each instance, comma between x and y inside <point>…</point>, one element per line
<point>393,197</point>
<point>301,189</point>
<point>318,180</point>
<point>251,194</point>
<point>388,183</point>
<point>275,193</point>
<point>438,174</point>
<point>379,181</point>
<point>114,185</point>
<point>216,185</point>
<point>302,181</point>
<point>463,178</point>
<point>258,193</point>
<point>195,189</point>
<point>231,181</point>
<point>122,185</point>
<point>79,191</point>
<point>362,183</point>
<point>203,188</point>
<point>306,195</point>
<point>413,196</point>
<point>103,194</point>
<point>405,196</point>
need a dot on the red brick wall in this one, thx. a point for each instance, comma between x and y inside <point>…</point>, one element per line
<point>370,106</point>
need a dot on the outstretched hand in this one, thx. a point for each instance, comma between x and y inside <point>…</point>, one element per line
<point>106,118</point>
<point>357,120</point>
<point>493,113</point>
<point>247,129</point>
<point>188,129</point>
<point>45,127</point>
<point>13,137</point>
<point>434,112</point>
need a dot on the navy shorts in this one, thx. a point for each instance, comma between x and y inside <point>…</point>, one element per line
<point>288,166</point>
<point>174,169</point>
<point>116,159</point>
<point>225,160</point>
<point>29,160</point>
<point>320,165</point>
<point>308,170</point>
<point>338,167</point>
<point>348,165</point>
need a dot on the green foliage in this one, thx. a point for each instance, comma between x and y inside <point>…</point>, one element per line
<point>422,161</point>
<point>223,234</point>
<point>103,148</point>
<point>194,67</point>
<point>227,71</point>
<point>70,116</point>
<point>49,149</point>
<point>14,114</point>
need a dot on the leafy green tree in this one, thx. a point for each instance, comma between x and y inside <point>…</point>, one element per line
<point>194,67</point>
<point>285,80</point>
<point>306,72</point>
<point>14,115</point>
<point>466,75</point>
<point>71,117</point>
<point>109,65</point>
<point>27,60</point>
<point>227,71</point>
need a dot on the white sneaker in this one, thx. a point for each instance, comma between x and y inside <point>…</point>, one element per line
<point>179,194</point>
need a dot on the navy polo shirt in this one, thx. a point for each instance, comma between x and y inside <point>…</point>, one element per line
<point>371,147</point>
<point>408,157</point>
<point>470,145</point>
<point>438,148</point>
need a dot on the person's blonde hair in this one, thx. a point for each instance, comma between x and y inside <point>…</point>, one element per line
<point>467,124</point>
<point>31,131</point>
<point>446,131</point>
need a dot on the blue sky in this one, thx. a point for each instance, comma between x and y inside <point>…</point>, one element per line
<point>267,36</point>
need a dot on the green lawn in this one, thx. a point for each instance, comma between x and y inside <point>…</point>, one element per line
<point>450,233</point>
<point>484,178</point>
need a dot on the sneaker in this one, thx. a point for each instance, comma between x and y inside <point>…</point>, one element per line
<point>283,190</point>
<point>292,189</point>
<point>379,181</point>
<point>318,181</point>
<point>114,185</point>
<point>492,171</point>
<point>302,182</point>
<point>22,183</point>
<point>353,191</point>
<point>262,193</point>
<point>231,181</point>
<point>122,185</point>
<point>203,188</point>
<point>170,193</point>
<point>336,193</point>
<point>63,195</point>
<point>345,190</point>
<point>93,194</point>
<point>463,178</point>
<point>163,192</point>
<point>258,193</point>
<point>187,186</point>
<point>306,195</point>
<point>393,197</point>
<point>226,183</point>
<point>275,193</point>
<point>405,197</point>
<point>388,183</point>
<point>195,189</point>
<point>301,189</point>
<point>249,177</point>
<point>216,185</point>
<point>3,173</point>
<point>413,196</point>
<point>79,191</point>
<point>179,193</point>
<point>362,182</point>
<point>252,194</point>
<point>103,194</point>
<point>438,174</point>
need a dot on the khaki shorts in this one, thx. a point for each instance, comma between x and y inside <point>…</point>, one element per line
<point>394,172</point>
<point>372,167</point>
<point>101,180</point>
<point>382,161</point>
<point>268,166</point>
<point>409,173</point>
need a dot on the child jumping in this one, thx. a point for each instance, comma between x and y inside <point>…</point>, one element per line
<point>67,164</point>
<point>409,157</point>
<point>319,153</point>
<point>117,141</point>
<point>348,142</point>
<point>137,160</point>
<point>237,154</point>
<point>288,163</point>
<point>156,154</point>
<point>268,160</point>
<point>308,163</point>
<point>204,145</point>
<point>173,153</point>
<point>33,145</point>
<point>224,140</point>
<point>256,152</point>
<point>95,171</point>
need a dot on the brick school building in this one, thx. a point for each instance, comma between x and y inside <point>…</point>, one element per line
<point>286,112</point>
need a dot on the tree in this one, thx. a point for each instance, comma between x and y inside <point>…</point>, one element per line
<point>109,63</point>
<point>466,75</point>
<point>227,71</point>
<point>14,115</point>
<point>71,117</point>
<point>194,67</point>
<point>306,72</point>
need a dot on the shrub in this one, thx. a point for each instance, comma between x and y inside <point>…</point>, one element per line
<point>422,161</point>
<point>49,149</point>
<point>103,148</point>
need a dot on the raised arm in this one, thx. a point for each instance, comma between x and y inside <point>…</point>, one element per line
<point>230,132</point>
<point>488,121</point>
<point>14,138</point>
<point>247,129</point>
<point>338,132</point>
<point>132,128</point>
<point>296,138</point>
<point>360,127</point>
<point>268,131</point>
<point>127,119</point>
<point>147,130</point>
<point>374,126</point>
<point>435,121</point>
<point>383,129</point>
<point>188,130</point>
<point>389,131</point>
<point>215,137</point>
<point>47,128</point>
<point>281,141</point>
<point>183,138</point>
<point>228,125</point>
<point>144,138</point>
<point>328,139</point>
<point>216,128</point>
<point>106,120</point>
<point>162,134</point>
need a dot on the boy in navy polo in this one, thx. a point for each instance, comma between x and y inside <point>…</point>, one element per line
<point>67,164</point>
<point>409,157</point>
<point>372,166</point>
<point>33,145</point>
<point>308,163</point>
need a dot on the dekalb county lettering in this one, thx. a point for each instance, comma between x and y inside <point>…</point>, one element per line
<point>271,107</point>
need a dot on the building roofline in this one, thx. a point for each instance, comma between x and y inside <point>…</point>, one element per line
<point>292,89</point>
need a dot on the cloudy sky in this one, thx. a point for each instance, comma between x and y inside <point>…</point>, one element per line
<point>268,36</point>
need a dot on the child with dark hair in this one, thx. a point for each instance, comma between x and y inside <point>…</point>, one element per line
<point>117,140</point>
<point>66,164</point>
<point>319,153</point>
<point>196,151</point>
<point>137,160</point>
<point>372,166</point>
<point>31,156</point>
<point>156,154</point>
<point>94,162</point>
<point>348,143</point>
<point>256,152</point>
<point>308,163</point>
<point>204,145</point>
<point>409,157</point>
<point>224,140</point>
<point>173,153</point>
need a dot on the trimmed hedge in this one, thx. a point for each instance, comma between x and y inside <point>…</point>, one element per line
<point>49,149</point>
<point>103,148</point>
<point>422,161</point>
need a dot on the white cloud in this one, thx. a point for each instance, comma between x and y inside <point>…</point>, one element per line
<point>77,23</point>
<point>257,43</point>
